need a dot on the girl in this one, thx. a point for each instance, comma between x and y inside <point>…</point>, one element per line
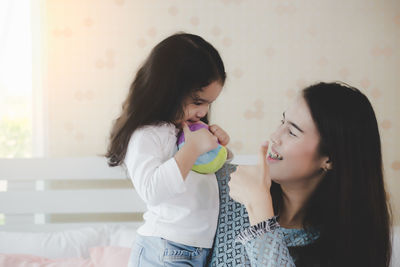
<point>323,176</point>
<point>175,86</point>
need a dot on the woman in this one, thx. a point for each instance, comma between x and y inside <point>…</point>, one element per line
<point>318,197</point>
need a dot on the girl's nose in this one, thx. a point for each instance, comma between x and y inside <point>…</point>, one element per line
<point>202,112</point>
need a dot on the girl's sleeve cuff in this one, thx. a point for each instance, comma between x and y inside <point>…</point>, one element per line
<point>259,229</point>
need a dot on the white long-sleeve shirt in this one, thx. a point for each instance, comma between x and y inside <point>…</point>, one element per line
<point>182,211</point>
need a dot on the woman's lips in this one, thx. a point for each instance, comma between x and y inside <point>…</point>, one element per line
<point>274,156</point>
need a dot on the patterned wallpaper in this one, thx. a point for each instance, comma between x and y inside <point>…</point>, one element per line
<point>271,49</point>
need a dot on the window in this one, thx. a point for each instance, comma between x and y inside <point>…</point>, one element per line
<point>19,127</point>
<point>15,79</point>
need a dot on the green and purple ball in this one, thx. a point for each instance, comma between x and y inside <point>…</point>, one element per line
<point>209,162</point>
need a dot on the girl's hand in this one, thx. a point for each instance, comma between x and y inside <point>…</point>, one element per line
<point>250,185</point>
<point>201,140</point>
<point>222,136</point>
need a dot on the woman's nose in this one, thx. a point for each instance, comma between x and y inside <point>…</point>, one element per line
<point>275,137</point>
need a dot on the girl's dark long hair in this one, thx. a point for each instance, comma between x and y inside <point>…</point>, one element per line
<point>350,205</point>
<point>176,68</point>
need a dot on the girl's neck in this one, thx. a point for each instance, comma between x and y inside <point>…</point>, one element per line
<point>295,197</point>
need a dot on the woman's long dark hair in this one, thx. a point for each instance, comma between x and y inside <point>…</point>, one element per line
<point>350,205</point>
<point>176,68</point>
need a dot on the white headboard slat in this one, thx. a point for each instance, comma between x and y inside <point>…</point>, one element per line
<point>58,169</point>
<point>21,202</point>
<point>71,201</point>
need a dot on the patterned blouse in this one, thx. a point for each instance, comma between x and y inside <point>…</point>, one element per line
<point>264,244</point>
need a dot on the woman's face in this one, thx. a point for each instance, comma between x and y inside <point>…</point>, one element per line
<point>293,152</point>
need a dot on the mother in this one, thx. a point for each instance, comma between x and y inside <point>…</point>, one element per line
<point>318,197</point>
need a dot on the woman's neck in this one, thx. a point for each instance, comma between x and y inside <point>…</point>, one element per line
<point>295,197</point>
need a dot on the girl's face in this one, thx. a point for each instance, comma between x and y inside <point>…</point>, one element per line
<point>293,154</point>
<point>196,107</point>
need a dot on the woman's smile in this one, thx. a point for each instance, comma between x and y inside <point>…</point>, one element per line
<point>273,155</point>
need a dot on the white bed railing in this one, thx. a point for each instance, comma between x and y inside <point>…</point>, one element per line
<point>27,202</point>
<point>21,202</point>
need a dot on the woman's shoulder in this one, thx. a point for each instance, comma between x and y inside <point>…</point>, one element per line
<point>300,237</point>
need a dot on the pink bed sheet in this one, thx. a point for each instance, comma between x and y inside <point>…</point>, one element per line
<point>99,257</point>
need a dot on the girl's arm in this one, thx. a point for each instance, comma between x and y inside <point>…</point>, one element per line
<point>155,177</point>
<point>196,143</point>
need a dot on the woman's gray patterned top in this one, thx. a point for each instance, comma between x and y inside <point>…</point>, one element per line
<point>238,244</point>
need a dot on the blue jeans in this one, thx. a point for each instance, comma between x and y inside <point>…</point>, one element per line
<point>150,251</point>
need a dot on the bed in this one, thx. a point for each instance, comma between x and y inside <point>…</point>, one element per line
<point>29,238</point>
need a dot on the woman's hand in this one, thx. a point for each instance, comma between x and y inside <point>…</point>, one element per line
<point>222,136</point>
<point>250,185</point>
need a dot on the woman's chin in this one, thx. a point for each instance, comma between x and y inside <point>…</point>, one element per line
<point>277,178</point>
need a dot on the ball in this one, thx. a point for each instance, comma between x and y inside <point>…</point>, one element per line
<point>209,162</point>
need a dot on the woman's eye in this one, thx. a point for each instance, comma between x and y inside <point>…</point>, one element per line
<point>291,133</point>
<point>198,103</point>
<point>282,121</point>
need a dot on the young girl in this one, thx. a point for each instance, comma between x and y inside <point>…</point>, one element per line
<point>175,86</point>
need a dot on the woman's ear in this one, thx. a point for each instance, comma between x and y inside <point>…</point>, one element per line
<point>327,165</point>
